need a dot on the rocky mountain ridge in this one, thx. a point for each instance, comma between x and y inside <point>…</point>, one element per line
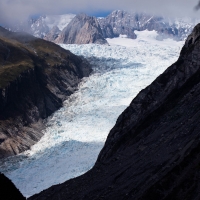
<point>118,22</point>
<point>153,150</point>
<point>82,29</point>
<point>36,76</point>
<point>125,23</point>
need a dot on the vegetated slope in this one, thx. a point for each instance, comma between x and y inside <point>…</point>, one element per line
<point>153,151</point>
<point>82,29</point>
<point>8,190</point>
<point>35,77</point>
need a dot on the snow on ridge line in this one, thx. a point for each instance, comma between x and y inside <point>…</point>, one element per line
<point>76,133</point>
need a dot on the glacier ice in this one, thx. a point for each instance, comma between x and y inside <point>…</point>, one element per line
<point>75,134</point>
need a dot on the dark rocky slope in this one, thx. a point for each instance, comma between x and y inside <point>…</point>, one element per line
<point>82,29</point>
<point>8,191</point>
<point>153,151</point>
<point>35,77</point>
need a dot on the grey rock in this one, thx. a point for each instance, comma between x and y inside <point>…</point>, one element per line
<point>122,22</point>
<point>82,30</point>
<point>53,34</point>
<point>118,22</point>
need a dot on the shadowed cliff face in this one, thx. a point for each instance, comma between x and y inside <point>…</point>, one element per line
<point>8,190</point>
<point>153,151</point>
<point>35,77</point>
<point>82,30</point>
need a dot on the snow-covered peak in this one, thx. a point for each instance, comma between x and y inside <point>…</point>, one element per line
<point>122,22</point>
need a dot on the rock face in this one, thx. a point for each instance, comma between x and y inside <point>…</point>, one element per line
<point>122,22</point>
<point>8,190</point>
<point>53,34</point>
<point>39,28</point>
<point>153,151</point>
<point>35,77</point>
<point>82,30</point>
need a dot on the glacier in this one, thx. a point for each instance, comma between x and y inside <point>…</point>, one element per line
<point>76,133</point>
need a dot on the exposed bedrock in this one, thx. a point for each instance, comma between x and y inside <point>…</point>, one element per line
<point>36,76</point>
<point>122,22</point>
<point>82,29</point>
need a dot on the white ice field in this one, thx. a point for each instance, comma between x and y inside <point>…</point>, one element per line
<point>76,133</point>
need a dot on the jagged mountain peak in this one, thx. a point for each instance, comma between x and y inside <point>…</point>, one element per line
<point>123,22</point>
<point>116,23</point>
<point>53,34</point>
<point>83,29</point>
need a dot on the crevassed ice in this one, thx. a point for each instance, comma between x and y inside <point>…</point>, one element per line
<point>76,133</point>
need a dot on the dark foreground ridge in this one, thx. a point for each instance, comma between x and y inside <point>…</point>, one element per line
<point>153,151</point>
<point>8,191</point>
<point>35,77</point>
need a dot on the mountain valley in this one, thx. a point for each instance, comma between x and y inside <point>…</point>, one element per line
<point>76,133</point>
<point>152,152</point>
<point>90,109</point>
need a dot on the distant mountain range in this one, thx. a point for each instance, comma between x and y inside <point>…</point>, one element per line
<point>52,27</point>
<point>122,22</point>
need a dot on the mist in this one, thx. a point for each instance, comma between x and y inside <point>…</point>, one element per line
<point>20,10</point>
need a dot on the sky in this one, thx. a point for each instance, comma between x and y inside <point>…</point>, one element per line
<point>19,10</point>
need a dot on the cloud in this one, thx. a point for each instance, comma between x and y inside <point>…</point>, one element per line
<point>197,7</point>
<point>14,10</point>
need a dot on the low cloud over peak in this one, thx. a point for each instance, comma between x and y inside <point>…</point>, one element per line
<point>12,10</point>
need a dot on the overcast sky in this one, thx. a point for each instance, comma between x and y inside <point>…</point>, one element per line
<point>11,10</point>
